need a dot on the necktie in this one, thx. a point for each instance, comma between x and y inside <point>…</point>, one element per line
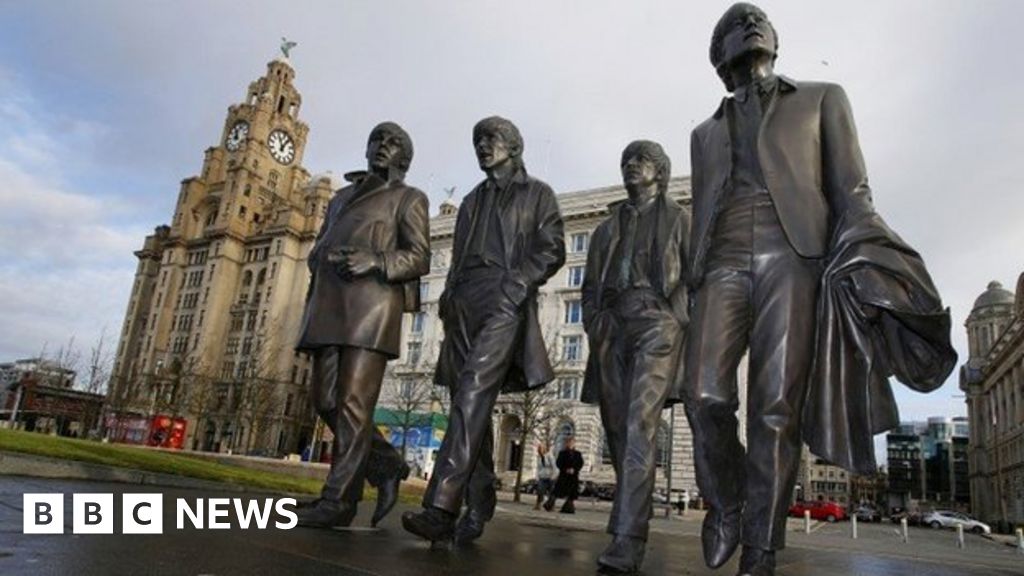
<point>629,217</point>
<point>484,217</point>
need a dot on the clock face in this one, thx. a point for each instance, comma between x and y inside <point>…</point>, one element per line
<point>281,146</point>
<point>237,135</point>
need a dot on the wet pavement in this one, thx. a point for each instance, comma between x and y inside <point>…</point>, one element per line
<point>518,542</point>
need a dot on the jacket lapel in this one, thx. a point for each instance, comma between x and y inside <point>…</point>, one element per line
<point>368,187</point>
<point>668,215</point>
<point>614,231</point>
<point>783,87</point>
<point>509,212</point>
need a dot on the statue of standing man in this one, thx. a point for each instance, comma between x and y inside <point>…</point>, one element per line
<point>790,262</point>
<point>635,314</point>
<point>508,242</point>
<point>366,263</point>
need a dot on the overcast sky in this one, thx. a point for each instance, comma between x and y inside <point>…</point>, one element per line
<point>106,106</point>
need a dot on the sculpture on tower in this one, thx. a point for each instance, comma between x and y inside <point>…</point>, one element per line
<point>366,263</point>
<point>790,261</point>
<point>287,45</point>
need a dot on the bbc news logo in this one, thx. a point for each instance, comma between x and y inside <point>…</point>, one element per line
<point>144,513</point>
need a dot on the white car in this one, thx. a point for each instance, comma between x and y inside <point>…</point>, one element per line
<point>950,519</point>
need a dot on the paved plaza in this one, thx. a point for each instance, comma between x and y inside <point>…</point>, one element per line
<point>518,542</point>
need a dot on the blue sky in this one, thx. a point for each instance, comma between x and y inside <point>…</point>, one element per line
<point>106,106</point>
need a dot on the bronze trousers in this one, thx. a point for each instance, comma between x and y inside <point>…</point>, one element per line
<point>346,384</point>
<point>636,376</point>
<point>757,294</point>
<point>484,327</point>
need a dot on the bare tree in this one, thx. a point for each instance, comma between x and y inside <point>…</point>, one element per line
<point>101,359</point>
<point>409,398</point>
<point>539,410</point>
<point>255,393</point>
<point>59,369</point>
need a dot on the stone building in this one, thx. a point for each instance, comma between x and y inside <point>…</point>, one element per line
<point>819,480</point>
<point>217,297</point>
<point>993,382</point>
<point>557,413</point>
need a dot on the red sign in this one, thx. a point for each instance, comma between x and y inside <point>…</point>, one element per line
<point>167,432</point>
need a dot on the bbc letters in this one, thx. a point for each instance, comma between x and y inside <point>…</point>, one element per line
<point>144,513</point>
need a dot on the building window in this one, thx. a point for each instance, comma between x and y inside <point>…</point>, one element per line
<point>572,348</point>
<point>415,351</point>
<point>567,388</point>
<point>417,322</point>
<point>424,291</point>
<point>573,312</point>
<point>575,276</point>
<point>578,242</point>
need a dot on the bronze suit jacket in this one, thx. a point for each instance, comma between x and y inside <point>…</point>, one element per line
<point>810,159</point>
<point>389,218</point>
<point>532,229</point>
<point>671,239</point>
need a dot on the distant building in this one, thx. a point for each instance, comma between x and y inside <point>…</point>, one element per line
<point>43,370</point>
<point>820,480</point>
<point>993,382</point>
<point>928,463</point>
<point>38,404</point>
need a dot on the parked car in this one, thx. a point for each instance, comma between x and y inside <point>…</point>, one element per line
<point>913,518</point>
<point>951,519</point>
<point>828,511</point>
<point>867,514</point>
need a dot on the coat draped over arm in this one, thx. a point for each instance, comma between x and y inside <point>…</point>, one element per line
<point>879,315</point>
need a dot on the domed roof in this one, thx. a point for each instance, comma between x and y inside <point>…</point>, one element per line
<point>329,177</point>
<point>993,296</point>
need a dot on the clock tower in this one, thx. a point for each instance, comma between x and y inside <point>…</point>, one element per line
<point>218,294</point>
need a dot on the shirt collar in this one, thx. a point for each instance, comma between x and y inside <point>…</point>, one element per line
<point>519,177</point>
<point>765,85</point>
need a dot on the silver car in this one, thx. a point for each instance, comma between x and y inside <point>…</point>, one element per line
<point>951,519</point>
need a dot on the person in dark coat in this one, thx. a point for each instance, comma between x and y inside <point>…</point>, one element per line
<point>635,314</point>
<point>778,183</point>
<point>508,242</point>
<point>569,463</point>
<point>366,262</point>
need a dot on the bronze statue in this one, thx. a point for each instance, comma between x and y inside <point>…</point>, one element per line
<point>508,242</point>
<point>371,250</point>
<point>635,314</point>
<point>790,261</point>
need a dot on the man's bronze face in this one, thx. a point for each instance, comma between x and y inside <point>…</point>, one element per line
<point>639,171</point>
<point>492,150</point>
<point>749,31</point>
<point>384,150</point>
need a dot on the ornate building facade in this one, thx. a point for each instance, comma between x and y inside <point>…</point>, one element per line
<point>218,294</point>
<point>993,382</point>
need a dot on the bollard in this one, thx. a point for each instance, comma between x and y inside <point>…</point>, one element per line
<point>903,527</point>
<point>1020,540</point>
<point>807,521</point>
<point>853,525</point>
<point>960,536</point>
